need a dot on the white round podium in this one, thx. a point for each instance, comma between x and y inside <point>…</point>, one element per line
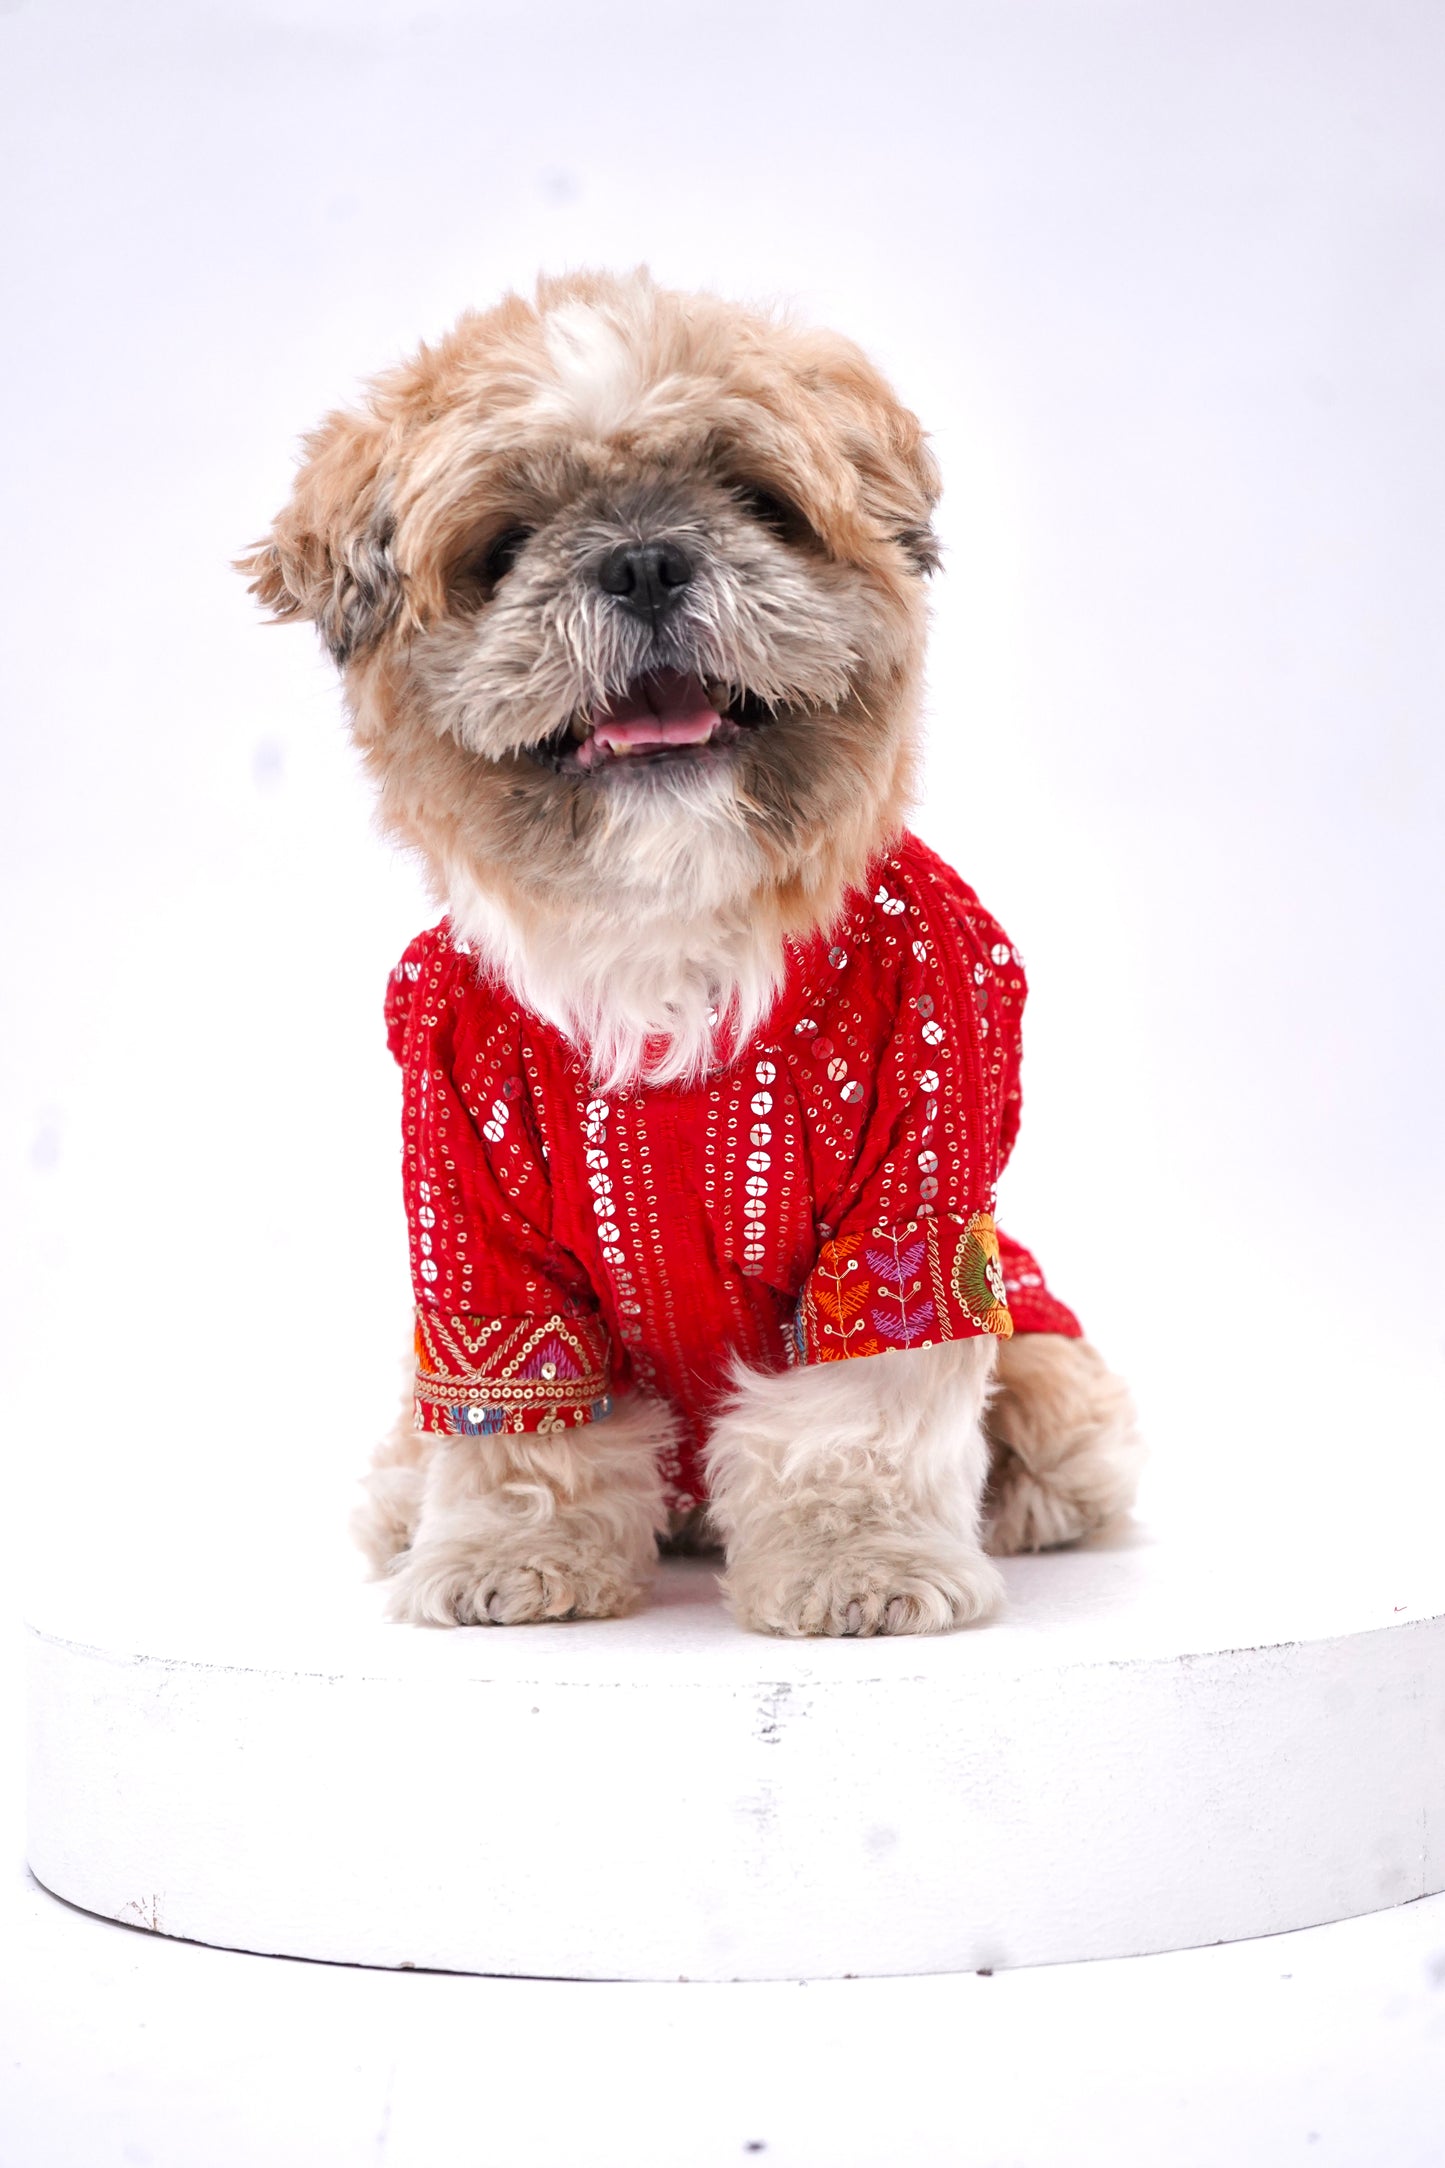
<point>1138,1755</point>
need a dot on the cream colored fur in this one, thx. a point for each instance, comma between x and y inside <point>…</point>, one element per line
<point>665,957</point>
<point>505,1530</point>
<point>383,1524</point>
<point>1066,1451</point>
<point>848,1494</point>
<point>852,1499</point>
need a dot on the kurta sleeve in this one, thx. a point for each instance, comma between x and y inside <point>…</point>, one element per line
<point>1032,1306</point>
<point>508,1331</point>
<point>908,1148</point>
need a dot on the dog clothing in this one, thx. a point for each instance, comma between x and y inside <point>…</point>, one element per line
<point>825,1195</point>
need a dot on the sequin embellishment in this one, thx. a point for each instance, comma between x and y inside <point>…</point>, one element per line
<point>476,1376</point>
<point>827,1192</point>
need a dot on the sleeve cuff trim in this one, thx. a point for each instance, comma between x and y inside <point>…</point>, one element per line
<point>476,1376</point>
<point>918,1285</point>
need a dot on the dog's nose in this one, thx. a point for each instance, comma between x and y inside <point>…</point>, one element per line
<point>647,577</point>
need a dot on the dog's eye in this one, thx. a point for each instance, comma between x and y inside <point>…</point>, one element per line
<point>774,512</point>
<point>503,554</point>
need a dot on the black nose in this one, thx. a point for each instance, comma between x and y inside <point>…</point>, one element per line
<point>646,577</point>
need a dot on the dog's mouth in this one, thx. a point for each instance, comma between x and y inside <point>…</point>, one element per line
<point>665,716</point>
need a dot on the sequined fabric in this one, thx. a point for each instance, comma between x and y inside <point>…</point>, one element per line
<point>827,1193</point>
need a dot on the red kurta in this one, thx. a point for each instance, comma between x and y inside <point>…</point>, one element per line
<point>827,1194</point>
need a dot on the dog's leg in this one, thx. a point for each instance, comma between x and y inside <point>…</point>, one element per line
<point>536,1526</point>
<point>1066,1454</point>
<point>383,1524</point>
<point>848,1494</point>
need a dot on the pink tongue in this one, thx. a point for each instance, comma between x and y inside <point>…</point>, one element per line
<point>666,708</point>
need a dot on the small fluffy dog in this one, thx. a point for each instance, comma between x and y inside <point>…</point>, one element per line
<point>711,1068</point>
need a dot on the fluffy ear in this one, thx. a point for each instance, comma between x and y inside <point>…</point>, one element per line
<point>900,479</point>
<point>921,546</point>
<point>329,555</point>
<point>885,443</point>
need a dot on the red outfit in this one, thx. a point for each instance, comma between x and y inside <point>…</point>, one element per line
<point>827,1193</point>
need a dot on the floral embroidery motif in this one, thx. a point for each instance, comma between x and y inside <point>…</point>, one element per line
<point>977,1277</point>
<point>833,1302</point>
<point>914,1286</point>
<point>895,1312</point>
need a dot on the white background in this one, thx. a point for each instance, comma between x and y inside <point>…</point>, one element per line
<point>1167,283</point>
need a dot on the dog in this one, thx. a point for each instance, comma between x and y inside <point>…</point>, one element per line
<point>711,1068</point>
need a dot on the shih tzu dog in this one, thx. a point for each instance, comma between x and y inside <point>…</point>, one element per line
<point>711,1067</point>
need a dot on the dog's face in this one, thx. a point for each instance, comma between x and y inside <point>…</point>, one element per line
<point>626,588</point>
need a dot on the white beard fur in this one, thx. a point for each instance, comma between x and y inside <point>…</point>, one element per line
<point>654,979</point>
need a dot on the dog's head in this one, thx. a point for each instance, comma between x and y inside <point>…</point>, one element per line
<point>626,588</point>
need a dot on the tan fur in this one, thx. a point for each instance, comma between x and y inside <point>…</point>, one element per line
<point>647,913</point>
<point>383,1523</point>
<point>394,502</point>
<point>1066,1452</point>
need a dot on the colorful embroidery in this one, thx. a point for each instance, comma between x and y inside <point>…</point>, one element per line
<point>915,1286</point>
<point>900,1309</point>
<point>977,1277</point>
<point>831,1320</point>
<point>476,1376</point>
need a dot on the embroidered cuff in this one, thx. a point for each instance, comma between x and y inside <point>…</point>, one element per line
<point>479,1375</point>
<point>914,1286</point>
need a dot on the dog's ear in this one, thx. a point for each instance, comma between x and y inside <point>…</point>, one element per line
<point>900,479</point>
<point>884,442</point>
<point>329,556</point>
<point>921,546</point>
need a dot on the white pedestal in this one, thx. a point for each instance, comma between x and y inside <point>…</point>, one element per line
<point>1137,1756</point>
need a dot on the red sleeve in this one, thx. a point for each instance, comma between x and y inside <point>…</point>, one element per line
<point>401,987</point>
<point>1031,1306</point>
<point>913,1126</point>
<point>508,1335</point>
<point>912,1088</point>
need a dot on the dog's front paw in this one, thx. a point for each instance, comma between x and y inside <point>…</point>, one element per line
<point>446,1584</point>
<point>864,1592</point>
